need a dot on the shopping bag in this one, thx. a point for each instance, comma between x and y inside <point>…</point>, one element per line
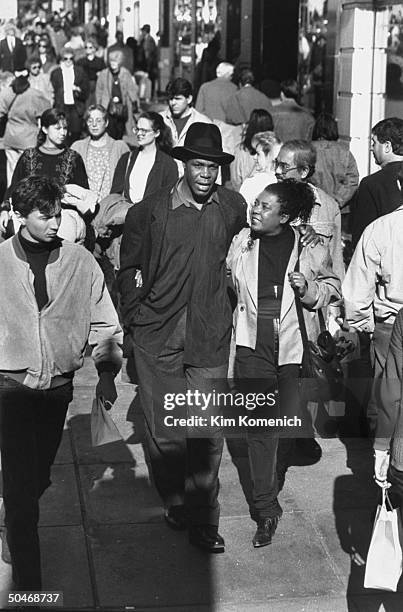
<point>103,428</point>
<point>384,560</point>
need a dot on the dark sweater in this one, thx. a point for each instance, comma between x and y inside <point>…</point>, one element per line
<point>37,254</point>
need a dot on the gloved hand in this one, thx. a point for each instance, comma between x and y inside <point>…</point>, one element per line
<point>381,467</point>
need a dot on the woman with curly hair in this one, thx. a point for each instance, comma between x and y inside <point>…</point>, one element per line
<point>262,260</point>
<point>148,167</point>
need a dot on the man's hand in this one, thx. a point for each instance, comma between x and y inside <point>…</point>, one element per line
<point>4,219</point>
<point>308,235</point>
<point>298,281</point>
<point>106,389</point>
<point>381,468</point>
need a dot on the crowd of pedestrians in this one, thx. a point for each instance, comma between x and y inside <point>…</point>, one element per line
<point>213,233</point>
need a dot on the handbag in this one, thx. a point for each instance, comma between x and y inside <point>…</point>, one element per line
<point>384,560</point>
<point>4,119</point>
<point>322,376</point>
<point>103,428</point>
<point>118,110</point>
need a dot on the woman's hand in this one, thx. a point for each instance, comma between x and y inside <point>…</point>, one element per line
<point>298,281</point>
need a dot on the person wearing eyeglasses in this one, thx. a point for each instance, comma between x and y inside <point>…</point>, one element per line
<point>91,64</point>
<point>99,151</point>
<point>46,54</point>
<point>38,79</point>
<point>296,159</point>
<point>149,166</point>
<point>71,92</point>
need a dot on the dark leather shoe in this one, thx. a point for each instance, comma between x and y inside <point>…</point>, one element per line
<point>265,531</point>
<point>309,448</point>
<point>207,538</point>
<point>175,518</point>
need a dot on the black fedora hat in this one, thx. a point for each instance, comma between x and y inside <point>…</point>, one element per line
<point>203,140</point>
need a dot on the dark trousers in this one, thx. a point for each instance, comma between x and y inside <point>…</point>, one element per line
<point>74,122</point>
<point>184,460</point>
<point>31,427</point>
<point>256,371</point>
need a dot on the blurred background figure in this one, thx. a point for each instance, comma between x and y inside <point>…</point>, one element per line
<point>213,95</point>
<point>57,35</point>
<point>12,51</point>
<point>336,169</point>
<point>291,120</point>
<point>127,61</point>
<point>245,100</point>
<point>259,121</point>
<point>29,44</point>
<point>24,105</point>
<point>91,64</point>
<point>71,88</point>
<point>147,57</point>
<point>117,91</point>
<point>46,54</point>
<point>38,79</point>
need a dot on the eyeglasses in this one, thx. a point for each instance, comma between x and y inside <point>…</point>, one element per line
<point>284,168</point>
<point>141,130</point>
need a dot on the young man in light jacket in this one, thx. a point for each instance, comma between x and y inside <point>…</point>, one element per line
<point>55,303</point>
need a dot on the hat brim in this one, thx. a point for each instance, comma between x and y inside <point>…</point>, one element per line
<point>186,153</point>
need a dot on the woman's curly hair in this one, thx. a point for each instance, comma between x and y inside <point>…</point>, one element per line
<point>296,199</point>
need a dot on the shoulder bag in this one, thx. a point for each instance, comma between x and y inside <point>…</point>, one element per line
<point>322,377</point>
<point>4,119</point>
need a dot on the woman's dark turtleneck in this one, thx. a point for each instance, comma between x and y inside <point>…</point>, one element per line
<point>37,254</point>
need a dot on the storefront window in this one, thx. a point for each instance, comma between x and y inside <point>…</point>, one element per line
<point>316,52</point>
<point>196,24</point>
<point>394,67</point>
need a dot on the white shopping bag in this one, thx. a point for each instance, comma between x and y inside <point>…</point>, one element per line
<point>103,428</point>
<point>384,560</point>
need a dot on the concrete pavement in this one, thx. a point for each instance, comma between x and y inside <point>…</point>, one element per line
<point>106,546</point>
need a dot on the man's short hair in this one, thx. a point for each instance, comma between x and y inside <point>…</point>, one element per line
<point>304,154</point>
<point>225,69</point>
<point>390,130</point>
<point>246,77</point>
<point>289,88</point>
<point>179,87</point>
<point>146,28</point>
<point>36,193</point>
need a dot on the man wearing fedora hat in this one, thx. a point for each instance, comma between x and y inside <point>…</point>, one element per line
<point>179,320</point>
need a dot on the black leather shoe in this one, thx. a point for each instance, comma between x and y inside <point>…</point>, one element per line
<point>175,518</point>
<point>309,448</point>
<point>265,531</point>
<point>207,538</point>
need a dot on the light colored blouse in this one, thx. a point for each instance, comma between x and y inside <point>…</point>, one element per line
<point>139,175</point>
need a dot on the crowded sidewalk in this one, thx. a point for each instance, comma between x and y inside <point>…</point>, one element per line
<point>106,546</point>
